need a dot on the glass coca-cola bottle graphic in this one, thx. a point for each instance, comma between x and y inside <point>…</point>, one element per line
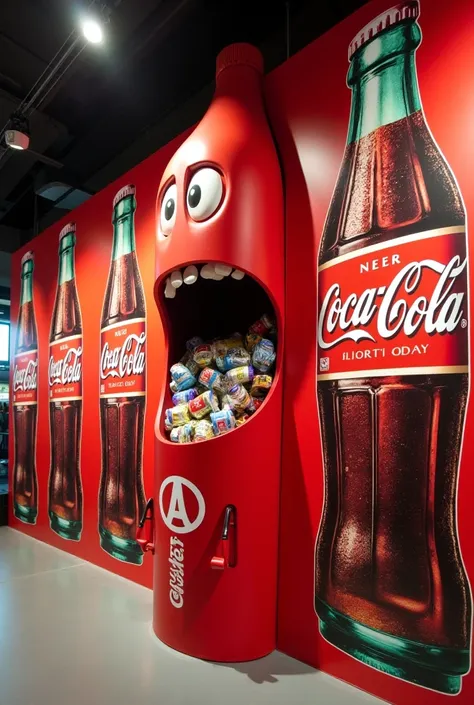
<point>122,390</point>
<point>25,401</point>
<point>391,588</point>
<point>65,397</point>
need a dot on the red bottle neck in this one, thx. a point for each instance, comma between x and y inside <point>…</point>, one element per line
<point>241,82</point>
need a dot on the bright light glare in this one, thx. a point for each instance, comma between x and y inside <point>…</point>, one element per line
<point>92,31</point>
<point>15,146</point>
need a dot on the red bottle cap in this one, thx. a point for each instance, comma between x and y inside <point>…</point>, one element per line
<point>69,228</point>
<point>128,190</point>
<point>240,54</point>
<point>30,255</point>
<point>404,11</point>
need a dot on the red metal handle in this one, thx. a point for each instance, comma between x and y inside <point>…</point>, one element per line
<point>226,557</point>
<point>146,529</point>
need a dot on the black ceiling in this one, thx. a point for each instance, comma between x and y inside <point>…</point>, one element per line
<point>119,101</point>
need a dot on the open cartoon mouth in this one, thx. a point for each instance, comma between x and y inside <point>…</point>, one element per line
<point>222,341</point>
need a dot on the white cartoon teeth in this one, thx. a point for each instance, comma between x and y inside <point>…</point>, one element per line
<point>190,274</point>
<point>176,278</point>
<point>223,269</point>
<point>207,272</point>
<point>170,291</point>
<point>212,270</point>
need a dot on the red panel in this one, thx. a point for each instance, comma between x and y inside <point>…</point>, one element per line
<point>93,253</point>
<point>309,106</point>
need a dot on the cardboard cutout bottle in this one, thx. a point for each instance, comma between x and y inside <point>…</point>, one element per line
<point>220,202</point>
<point>391,588</point>
<point>25,400</point>
<point>65,396</point>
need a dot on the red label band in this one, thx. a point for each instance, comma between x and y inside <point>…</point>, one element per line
<point>65,369</point>
<point>123,359</point>
<point>25,378</point>
<point>400,307</point>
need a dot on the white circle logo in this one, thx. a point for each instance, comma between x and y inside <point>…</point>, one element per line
<point>177,511</point>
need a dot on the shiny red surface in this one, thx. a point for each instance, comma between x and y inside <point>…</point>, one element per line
<point>227,615</point>
<point>309,111</point>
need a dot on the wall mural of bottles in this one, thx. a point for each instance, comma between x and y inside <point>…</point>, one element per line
<point>375,548</point>
<point>79,358</point>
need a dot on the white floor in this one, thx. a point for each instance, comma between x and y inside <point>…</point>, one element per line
<point>73,634</point>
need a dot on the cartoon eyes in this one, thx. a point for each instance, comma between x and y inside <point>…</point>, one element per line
<point>203,198</point>
<point>204,194</point>
<point>168,210</point>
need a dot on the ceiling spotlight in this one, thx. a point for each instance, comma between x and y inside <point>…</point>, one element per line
<point>17,134</point>
<point>16,139</point>
<point>92,31</point>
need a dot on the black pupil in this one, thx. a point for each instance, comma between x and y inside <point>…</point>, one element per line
<point>169,209</point>
<point>194,196</point>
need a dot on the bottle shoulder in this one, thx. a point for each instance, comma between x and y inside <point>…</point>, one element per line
<point>393,182</point>
<point>124,296</point>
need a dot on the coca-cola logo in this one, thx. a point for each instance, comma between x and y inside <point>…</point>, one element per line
<point>25,378</point>
<point>68,370</point>
<point>125,360</point>
<point>397,307</point>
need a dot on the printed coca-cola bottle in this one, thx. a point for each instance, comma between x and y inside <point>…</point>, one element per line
<point>25,401</point>
<point>391,588</point>
<point>122,390</point>
<point>65,397</point>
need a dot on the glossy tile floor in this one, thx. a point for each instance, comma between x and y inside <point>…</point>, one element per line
<point>73,634</point>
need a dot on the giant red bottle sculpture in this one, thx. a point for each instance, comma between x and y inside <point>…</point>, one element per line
<point>216,516</point>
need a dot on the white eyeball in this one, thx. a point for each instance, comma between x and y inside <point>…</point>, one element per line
<point>168,209</point>
<point>204,194</point>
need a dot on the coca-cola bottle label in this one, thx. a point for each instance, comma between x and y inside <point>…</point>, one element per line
<point>65,369</point>
<point>25,378</point>
<point>398,307</point>
<point>123,359</point>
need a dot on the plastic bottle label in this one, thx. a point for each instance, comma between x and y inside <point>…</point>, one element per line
<point>65,369</point>
<point>25,378</point>
<point>123,359</point>
<point>398,307</point>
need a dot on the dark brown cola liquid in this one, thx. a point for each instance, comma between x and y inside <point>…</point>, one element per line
<point>122,495</point>
<point>387,553</point>
<point>25,484</point>
<point>65,417</point>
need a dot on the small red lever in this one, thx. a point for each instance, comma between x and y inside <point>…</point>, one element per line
<point>227,557</point>
<point>145,529</point>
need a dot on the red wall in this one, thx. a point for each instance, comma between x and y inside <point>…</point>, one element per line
<point>93,252</point>
<point>309,105</point>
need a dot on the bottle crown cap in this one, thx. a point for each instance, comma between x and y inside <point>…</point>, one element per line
<point>30,255</point>
<point>69,228</point>
<point>404,11</point>
<point>125,191</point>
<point>240,54</point>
